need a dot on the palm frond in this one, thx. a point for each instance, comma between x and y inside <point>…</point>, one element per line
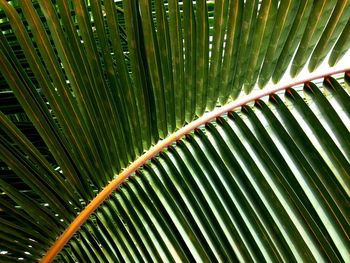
<point>267,182</point>
<point>88,86</point>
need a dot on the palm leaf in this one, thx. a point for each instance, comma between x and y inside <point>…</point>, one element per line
<point>228,192</point>
<point>93,89</point>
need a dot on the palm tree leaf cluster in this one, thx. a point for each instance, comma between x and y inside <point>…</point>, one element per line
<point>87,86</point>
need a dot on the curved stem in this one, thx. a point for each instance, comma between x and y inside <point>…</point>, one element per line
<point>133,167</point>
